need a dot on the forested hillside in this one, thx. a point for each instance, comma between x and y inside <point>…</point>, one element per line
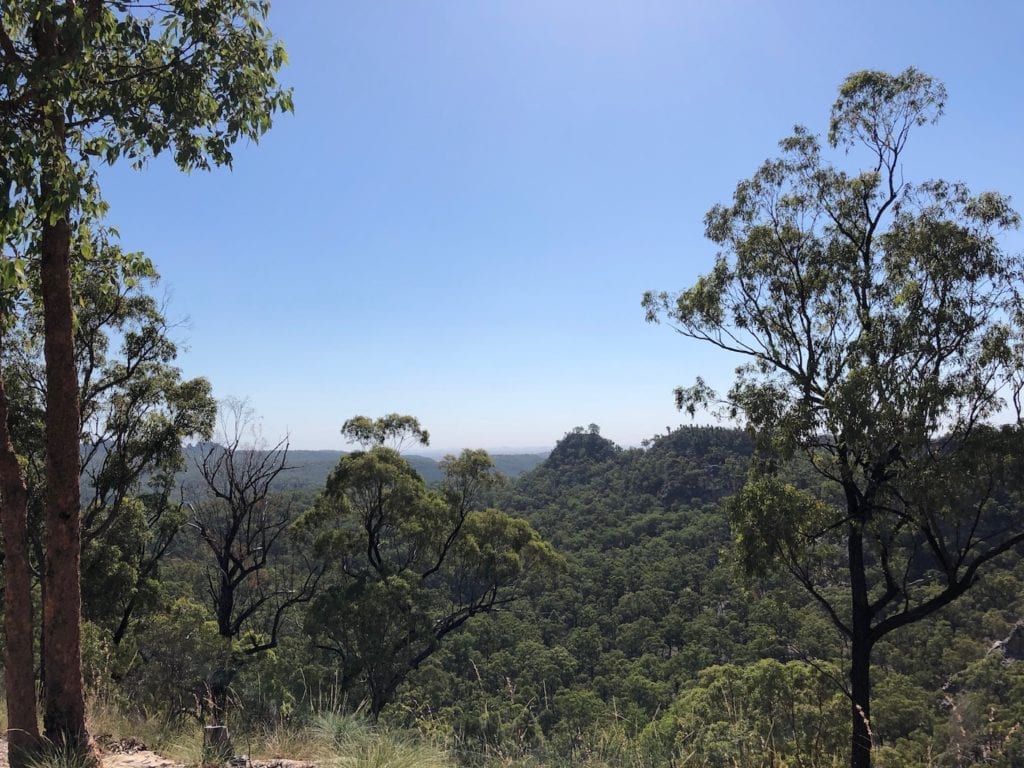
<point>647,645</point>
<point>835,579</point>
<point>656,644</point>
<point>594,608</point>
<point>309,469</point>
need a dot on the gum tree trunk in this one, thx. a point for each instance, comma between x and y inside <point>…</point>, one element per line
<point>860,690</point>
<point>63,694</point>
<point>860,652</point>
<point>19,664</point>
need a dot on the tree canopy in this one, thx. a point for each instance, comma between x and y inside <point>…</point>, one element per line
<point>880,323</point>
<point>413,563</point>
<point>81,81</point>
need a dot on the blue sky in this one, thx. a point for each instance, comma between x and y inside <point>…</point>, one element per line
<point>460,218</point>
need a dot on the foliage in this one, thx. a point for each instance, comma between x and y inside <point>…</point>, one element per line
<point>652,647</point>
<point>83,80</point>
<point>136,408</point>
<point>880,325</point>
<point>413,563</point>
<point>253,581</point>
<point>182,648</point>
<point>761,714</point>
<point>394,430</point>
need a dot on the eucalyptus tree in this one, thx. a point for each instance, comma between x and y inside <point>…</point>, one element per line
<point>255,578</point>
<point>879,322</point>
<point>99,80</point>
<point>19,657</point>
<point>412,563</point>
<point>136,408</point>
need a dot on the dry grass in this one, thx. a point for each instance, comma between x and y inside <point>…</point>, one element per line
<point>331,741</point>
<point>355,743</point>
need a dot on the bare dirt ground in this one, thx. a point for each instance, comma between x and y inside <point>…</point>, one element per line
<point>131,753</point>
<point>123,754</point>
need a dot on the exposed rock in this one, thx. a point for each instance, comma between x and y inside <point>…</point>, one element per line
<point>1013,646</point>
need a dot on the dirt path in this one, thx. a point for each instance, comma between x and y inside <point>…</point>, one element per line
<point>117,755</point>
<point>136,758</point>
<point>129,753</point>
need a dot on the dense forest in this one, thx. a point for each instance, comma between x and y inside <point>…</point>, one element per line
<point>835,578</point>
<point>603,617</point>
<point>594,609</point>
<point>647,644</point>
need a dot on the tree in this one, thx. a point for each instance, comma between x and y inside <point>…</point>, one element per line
<point>121,570</point>
<point>879,321</point>
<point>765,713</point>
<point>245,529</point>
<point>19,657</point>
<point>415,563</point>
<point>87,79</point>
<point>135,411</point>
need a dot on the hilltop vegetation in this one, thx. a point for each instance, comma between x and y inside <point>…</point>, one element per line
<point>657,637</point>
<point>309,469</point>
<point>839,581</point>
<point>649,646</point>
<point>640,641</point>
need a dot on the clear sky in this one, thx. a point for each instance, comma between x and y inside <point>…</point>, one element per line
<point>460,218</point>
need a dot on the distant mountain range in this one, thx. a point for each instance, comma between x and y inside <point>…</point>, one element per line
<point>309,469</point>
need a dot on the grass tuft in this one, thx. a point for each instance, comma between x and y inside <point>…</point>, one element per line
<point>60,756</point>
<point>357,743</point>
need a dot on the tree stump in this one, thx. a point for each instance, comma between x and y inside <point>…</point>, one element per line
<point>216,743</point>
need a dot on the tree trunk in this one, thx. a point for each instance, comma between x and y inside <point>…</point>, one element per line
<point>63,691</point>
<point>378,700</point>
<point>219,684</point>
<point>218,698</point>
<point>381,693</point>
<point>63,688</point>
<point>122,624</point>
<point>217,745</point>
<point>860,692</point>
<point>19,664</point>
<point>860,654</point>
